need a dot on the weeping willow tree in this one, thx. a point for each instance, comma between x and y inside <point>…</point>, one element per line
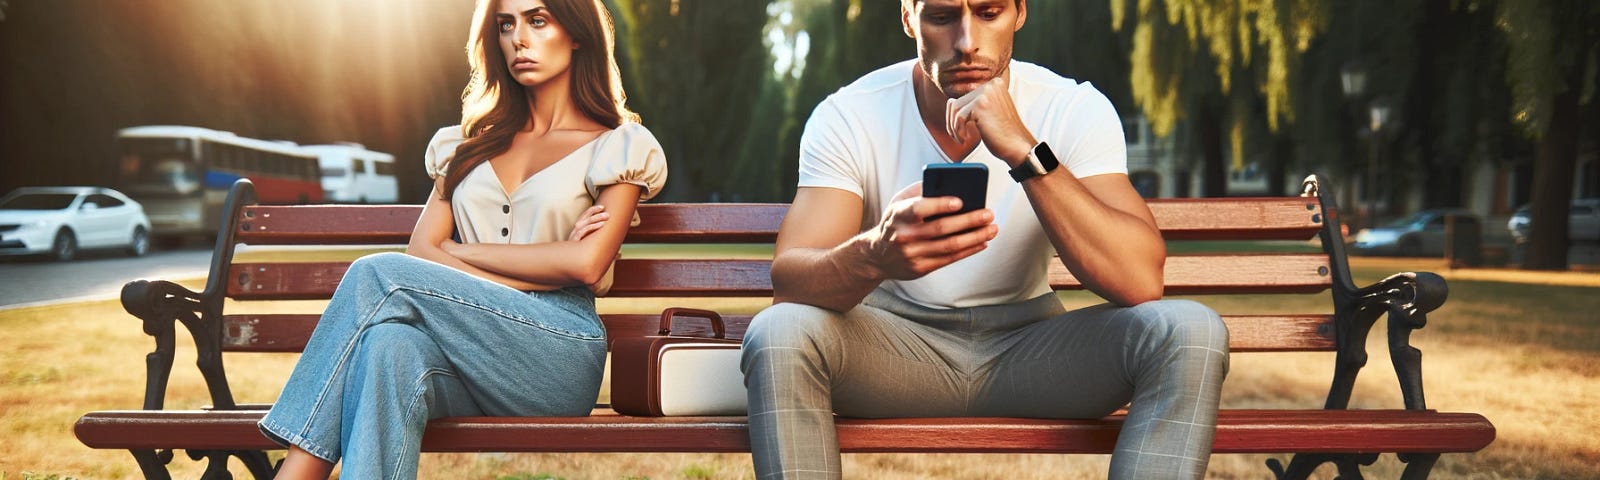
<point>1212,64</point>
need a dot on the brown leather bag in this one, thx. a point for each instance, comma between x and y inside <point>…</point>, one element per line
<point>666,375</point>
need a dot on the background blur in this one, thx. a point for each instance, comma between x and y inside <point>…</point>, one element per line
<point>1405,104</point>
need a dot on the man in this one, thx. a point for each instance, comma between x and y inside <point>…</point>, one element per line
<point>880,313</point>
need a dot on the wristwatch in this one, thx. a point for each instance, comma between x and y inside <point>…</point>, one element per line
<point>1040,161</point>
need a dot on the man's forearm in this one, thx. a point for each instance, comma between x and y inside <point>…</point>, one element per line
<point>1115,254</point>
<point>835,279</point>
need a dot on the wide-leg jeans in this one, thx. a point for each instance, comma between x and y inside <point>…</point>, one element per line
<point>405,340</point>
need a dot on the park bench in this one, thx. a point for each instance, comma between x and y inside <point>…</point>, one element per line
<point>1314,436</point>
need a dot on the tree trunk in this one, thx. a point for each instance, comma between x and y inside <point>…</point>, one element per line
<point>1552,185</point>
<point>1214,174</point>
<point>1278,165</point>
<point>1442,174</point>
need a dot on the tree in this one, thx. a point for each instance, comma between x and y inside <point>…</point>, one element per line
<point>847,39</point>
<point>694,69</point>
<point>1176,43</point>
<point>1551,65</point>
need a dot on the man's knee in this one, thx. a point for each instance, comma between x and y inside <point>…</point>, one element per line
<point>787,327</point>
<point>1182,324</point>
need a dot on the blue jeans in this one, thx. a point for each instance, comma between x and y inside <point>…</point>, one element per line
<point>405,340</point>
<point>892,358</point>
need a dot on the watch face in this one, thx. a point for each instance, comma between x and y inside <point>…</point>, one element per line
<point>1045,157</point>
<point>1035,164</point>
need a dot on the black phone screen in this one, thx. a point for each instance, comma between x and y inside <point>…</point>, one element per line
<point>967,181</point>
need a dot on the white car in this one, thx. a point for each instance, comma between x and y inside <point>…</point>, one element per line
<point>59,221</point>
<point>1583,222</point>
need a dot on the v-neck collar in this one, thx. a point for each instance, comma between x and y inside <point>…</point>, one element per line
<point>512,193</point>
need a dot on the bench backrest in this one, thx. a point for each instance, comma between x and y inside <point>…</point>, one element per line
<point>1274,218</point>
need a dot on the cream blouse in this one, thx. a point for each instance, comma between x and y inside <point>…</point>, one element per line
<point>545,206</point>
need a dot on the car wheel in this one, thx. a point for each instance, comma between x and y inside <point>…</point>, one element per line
<point>65,247</point>
<point>140,244</point>
<point>1410,247</point>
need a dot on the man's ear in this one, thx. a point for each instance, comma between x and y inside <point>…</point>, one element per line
<point>905,20</point>
<point>1022,14</point>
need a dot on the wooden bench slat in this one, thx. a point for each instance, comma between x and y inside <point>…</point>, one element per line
<point>391,224</point>
<point>1185,274</point>
<point>1246,333</point>
<point>1274,218</point>
<point>1265,218</point>
<point>1238,431</point>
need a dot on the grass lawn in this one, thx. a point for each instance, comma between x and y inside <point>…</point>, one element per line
<point>1525,355</point>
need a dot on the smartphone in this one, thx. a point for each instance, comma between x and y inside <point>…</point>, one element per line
<point>967,181</point>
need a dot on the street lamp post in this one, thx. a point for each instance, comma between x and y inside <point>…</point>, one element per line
<point>1378,112</point>
<point>1353,81</point>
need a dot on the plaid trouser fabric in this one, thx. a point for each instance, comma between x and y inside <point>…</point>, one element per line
<point>892,358</point>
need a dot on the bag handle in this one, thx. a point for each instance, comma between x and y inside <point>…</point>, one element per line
<point>717,329</point>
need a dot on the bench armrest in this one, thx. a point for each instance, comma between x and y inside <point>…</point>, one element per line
<point>159,304</point>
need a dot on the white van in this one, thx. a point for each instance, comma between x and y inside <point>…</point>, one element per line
<point>353,174</point>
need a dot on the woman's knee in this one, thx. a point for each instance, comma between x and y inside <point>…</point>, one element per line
<point>382,262</point>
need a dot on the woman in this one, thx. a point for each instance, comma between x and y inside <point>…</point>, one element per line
<point>502,323</point>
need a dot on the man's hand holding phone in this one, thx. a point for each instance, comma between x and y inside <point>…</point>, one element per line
<point>906,245</point>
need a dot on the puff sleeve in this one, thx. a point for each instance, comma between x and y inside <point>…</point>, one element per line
<point>630,154</point>
<point>441,150</point>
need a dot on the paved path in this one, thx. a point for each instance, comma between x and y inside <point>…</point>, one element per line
<point>28,282</point>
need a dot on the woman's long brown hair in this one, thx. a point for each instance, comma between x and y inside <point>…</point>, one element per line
<point>494,106</point>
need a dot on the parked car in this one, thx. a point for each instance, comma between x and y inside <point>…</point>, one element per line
<point>1421,234</point>
<point>59,221</point>
<point>1583,222</point>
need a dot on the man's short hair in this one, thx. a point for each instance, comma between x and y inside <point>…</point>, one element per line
<point>907,3</point>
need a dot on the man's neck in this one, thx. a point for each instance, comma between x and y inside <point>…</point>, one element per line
<point>931,101</point>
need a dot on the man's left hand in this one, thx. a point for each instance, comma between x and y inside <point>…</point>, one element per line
<point>988,113</point>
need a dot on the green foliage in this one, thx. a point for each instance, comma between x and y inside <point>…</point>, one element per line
<point>38,476</point>
<point>699,471</point>
<point>693,71</point>
<point>1170,37</point>
<point>1552,48</point>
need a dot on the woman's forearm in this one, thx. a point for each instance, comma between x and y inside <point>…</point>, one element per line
<point>438,255</point>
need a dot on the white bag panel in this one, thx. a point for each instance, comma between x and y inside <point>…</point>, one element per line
<point>696,380</point>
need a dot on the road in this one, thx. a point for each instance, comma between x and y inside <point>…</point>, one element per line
<point>95,275</point>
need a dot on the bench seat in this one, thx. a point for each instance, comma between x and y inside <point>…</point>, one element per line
<point>1238,431</point>
<point>1333,433</point>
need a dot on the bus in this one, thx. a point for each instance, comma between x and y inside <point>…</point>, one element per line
<point>181,174</point>
<point>353,174</point>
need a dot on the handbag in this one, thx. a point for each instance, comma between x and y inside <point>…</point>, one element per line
<point>666,375</point>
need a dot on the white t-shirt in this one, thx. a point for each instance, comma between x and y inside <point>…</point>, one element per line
<point>545,207</point>
<point>869,139</point>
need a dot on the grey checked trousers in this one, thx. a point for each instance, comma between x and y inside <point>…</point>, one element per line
<point>892,358</point>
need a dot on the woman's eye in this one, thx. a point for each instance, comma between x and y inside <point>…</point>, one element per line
<point>537,22</point>
<point>506,26</point>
